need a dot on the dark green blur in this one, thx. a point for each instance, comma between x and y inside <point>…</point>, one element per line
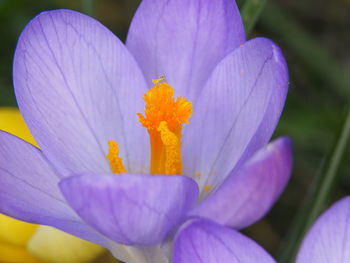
<point>315,37</point>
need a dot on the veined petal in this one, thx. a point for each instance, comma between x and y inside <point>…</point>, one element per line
<point>236,112</point>
<point>184,40</point>
<point>29,190</point>
<point>19,233</point>
<point>328,240</point>
<point>202,241</point>
<point>78,87</point>
<point>131,209</point>
<point>46,240</point>
<point>11,230</point>
<point>248,194</point>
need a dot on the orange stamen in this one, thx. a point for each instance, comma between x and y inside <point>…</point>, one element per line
<point>115,162</point>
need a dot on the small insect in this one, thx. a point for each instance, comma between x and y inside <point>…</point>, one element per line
<point>159,80</point>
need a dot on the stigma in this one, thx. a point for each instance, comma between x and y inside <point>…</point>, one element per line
<point>163,118</point>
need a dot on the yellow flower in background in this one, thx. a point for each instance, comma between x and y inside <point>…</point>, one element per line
<point>22,242</point>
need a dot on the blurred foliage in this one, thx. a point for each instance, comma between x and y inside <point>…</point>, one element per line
<point>314,36</point>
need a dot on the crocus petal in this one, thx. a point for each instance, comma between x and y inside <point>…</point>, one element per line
<point>329,238</point>
<point>248,195</point>
<point>131,209</point>
<point>29,191</point>
<point>202,241</point>
<point>13,231</point>
<point>19,233</point>
<point>46,240</point>
<point>184,40</point>
<point>78,87</point>
<point>238,109</point>
<point>144,254</point>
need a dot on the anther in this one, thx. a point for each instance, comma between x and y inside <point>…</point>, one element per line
<point>115,162</point>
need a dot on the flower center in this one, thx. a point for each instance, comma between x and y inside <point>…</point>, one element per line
<point>163,119</point>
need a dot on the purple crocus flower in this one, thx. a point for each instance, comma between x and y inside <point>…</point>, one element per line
<point>80,88</point>
<point>326,242</point>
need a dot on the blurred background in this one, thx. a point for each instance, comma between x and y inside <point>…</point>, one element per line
<point>315,37</point>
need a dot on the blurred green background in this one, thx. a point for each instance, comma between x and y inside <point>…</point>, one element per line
<point>315,37</point>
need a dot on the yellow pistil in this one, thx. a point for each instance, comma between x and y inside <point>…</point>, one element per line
<point>163,119</point>
<point>115,161</point>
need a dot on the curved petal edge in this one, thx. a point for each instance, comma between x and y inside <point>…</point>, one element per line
<point>328,240</point>
<point>248,194</point>
<point>131,209</point>
<point>201,241</point>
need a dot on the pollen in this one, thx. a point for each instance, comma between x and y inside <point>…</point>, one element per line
<point>159,80</point>
<point>172,147</point>
<point>115,162</point>
<point>163,118</point>
<point>161,106</point>
<point>207,187</point>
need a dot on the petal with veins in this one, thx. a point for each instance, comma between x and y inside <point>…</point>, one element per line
<point>78,87</point>
<point>128,208</point>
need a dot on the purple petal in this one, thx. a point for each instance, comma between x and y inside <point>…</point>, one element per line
<point>145,254</point>
<point>29,190</point>
<point>249,194</point>
<point>78,87</point>
<point>184,40</point>
<point>238,110</point>
<point>203,241</point>
<point>328,240</point>
<point>131,209</point>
